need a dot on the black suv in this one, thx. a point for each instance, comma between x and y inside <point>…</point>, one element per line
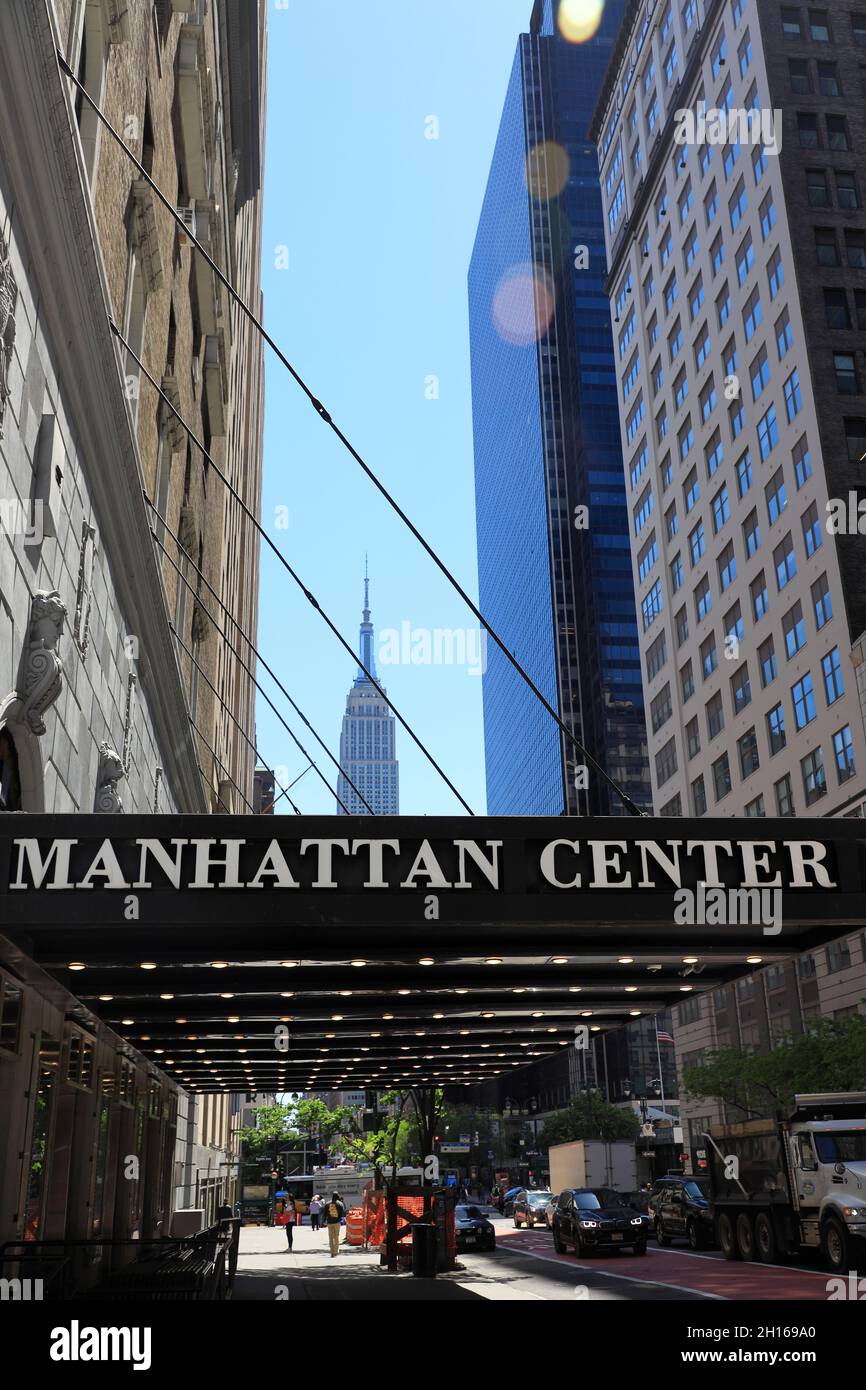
<point>590,1220</point>
<point>681,1208</point>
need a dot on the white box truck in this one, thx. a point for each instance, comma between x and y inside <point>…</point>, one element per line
<point>593,1163</point>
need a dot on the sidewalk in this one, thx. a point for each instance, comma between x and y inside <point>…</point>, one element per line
<point>267,1269</point>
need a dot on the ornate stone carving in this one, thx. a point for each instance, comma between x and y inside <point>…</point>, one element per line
<point>110,771</point>
<point>8,301</point>
<point>84,591</point>
<point>41,674</point>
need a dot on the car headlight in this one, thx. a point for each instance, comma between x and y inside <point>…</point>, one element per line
<point>855,1211</point>
<point>637,1221</point>
<point>588,1225</point>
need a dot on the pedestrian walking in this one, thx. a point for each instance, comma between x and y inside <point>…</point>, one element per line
<point>333,1216</point>
<point>289,1212</point>
<point>315,1210</point>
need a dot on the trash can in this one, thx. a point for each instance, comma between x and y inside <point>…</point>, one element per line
<point>424,1251</point>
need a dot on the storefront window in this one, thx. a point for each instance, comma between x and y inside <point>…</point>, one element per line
<point>46,1084</point>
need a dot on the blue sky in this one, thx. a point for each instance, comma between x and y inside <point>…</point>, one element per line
<point>377,223</point>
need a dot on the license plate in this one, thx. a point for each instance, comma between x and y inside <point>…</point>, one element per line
<point>616,1237</point>
<point>470,1240</point>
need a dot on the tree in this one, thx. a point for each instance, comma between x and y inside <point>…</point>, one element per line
<point>830,1056</point>
<point>589,1117</point>
<point>274,1126</point>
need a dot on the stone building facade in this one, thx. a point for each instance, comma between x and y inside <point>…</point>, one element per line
<point>101,706</point>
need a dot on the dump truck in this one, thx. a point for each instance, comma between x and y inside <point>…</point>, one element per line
<point>593,1163</point>
<point>785,1185</point>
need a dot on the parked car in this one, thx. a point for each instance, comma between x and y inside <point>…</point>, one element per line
<point>528,1207</point>
<point>474,1231</point>
<point>583,1220</point>
<point>549,1210</point>
<point>681,1207</point>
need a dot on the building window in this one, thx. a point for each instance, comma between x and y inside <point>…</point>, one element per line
<point>661,709</point>
<point>752,315</point>
<point>784,334</point>
<point>847,195</point>
<point>814,776</point>
<point>760,373</point>
<point>838,956</point>
<point>715,716</point>
<point>798,76</point>
<point>744,473</point>
<point>803,696</point>
<point>826,247</point>
<point>807,127</point>
<point>793,397</point>
<point>776,729</point>
<point>776,496</point>
<point>721,510</point>
<point>656,657</point>
<point>758,591</point>
<point>741,689</point>
<point>855,249</point>
<point>677,572</point>
<point>845,367</point>
<point>709,656</point>
<point>837,133</point>
<point>791,23</point>
<point>794,629</point>
<point>822,602</point>
<point>843,751</point>
<point>722,777</point>
<point>682,626</point>
<point>756,807</point>
<point>769,665</point>
<point>819,26</point>
<point>811,530</point>
<point>784,796</point>
<point>855,438</point>
<point>693,738</point>
<point>696,543</point>
<point>699,797</point>
<point>737,205</point>
<point>727,567</point>
<point>833,684</point>
<point>651,606</point>
<point>666,763</point>
<point>703,599</point>
<point>816,188</point>
<point>768,429</point>
<point>687,682</point>
<point>775,273</point>
<point>747,748</point>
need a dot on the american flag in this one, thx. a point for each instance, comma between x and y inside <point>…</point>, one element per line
<point>664,1037</point>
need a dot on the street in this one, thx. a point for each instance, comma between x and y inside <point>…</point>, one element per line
<point>524,1266</point>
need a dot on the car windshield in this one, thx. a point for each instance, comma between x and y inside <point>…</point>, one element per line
<point>587,1201</point>
<point>468,1214</point>
<point>696,1189</point>
<point>843,1147</point>
<point>538,1199</point>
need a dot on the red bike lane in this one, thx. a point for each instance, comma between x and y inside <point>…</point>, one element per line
<point>680,1268</point>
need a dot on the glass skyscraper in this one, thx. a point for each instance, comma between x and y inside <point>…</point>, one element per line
<point>368,738</point>
<point>554,560</point>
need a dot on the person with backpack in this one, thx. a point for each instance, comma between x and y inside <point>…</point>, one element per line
<point>333,1216</point>
<point>289,1212</point>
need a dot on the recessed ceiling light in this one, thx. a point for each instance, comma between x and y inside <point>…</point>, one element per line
<point>625,960</point>
<point>575,989</point>
<point>166,996</point>
<point>631,989</point>
<point>219,965</point>
<point>686,989</point>
<point>233,1018</point>
<point>493,960</point>
<point>754,960</point>
<point>461,991</point>
<point>387,1015</point>
<point>227,996</point>
<point>289,964</point>
<point>127,1022</point>
<point>426,960</point>
<point>559,960</point>
<point>690,960</point>
<point>635,1013</point>
<point>181,1020</point>
<point>357,962</point>
<point>336,1018</point>
<point>105,997</point>
<point>76,965</point>
<point>147,965</point>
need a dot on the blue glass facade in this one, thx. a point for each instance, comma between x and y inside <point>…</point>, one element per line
<point>547,441</point>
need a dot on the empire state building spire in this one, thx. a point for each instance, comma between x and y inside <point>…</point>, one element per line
<point>368,738</point>
<point>366,643</point>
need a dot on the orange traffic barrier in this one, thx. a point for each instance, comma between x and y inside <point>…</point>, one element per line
<point>355,1226</point>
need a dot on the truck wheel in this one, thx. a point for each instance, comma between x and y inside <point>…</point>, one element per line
<point>726,1237</point>
<point>745,1236</point>
<point>835,1244</point>
<point>661,1238</point>
<point>765,1239</point>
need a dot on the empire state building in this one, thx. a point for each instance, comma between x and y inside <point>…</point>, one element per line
<point>368,739</point>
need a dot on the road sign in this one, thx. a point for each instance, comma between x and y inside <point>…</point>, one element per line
<point>454,1148</point>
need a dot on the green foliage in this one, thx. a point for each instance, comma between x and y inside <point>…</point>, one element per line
<point>831,1056</point>
<point>589,1117</point>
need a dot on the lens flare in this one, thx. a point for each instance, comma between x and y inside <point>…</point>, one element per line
<point>547,169</point>
<point>579,19</point>
<point>523,305</point>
